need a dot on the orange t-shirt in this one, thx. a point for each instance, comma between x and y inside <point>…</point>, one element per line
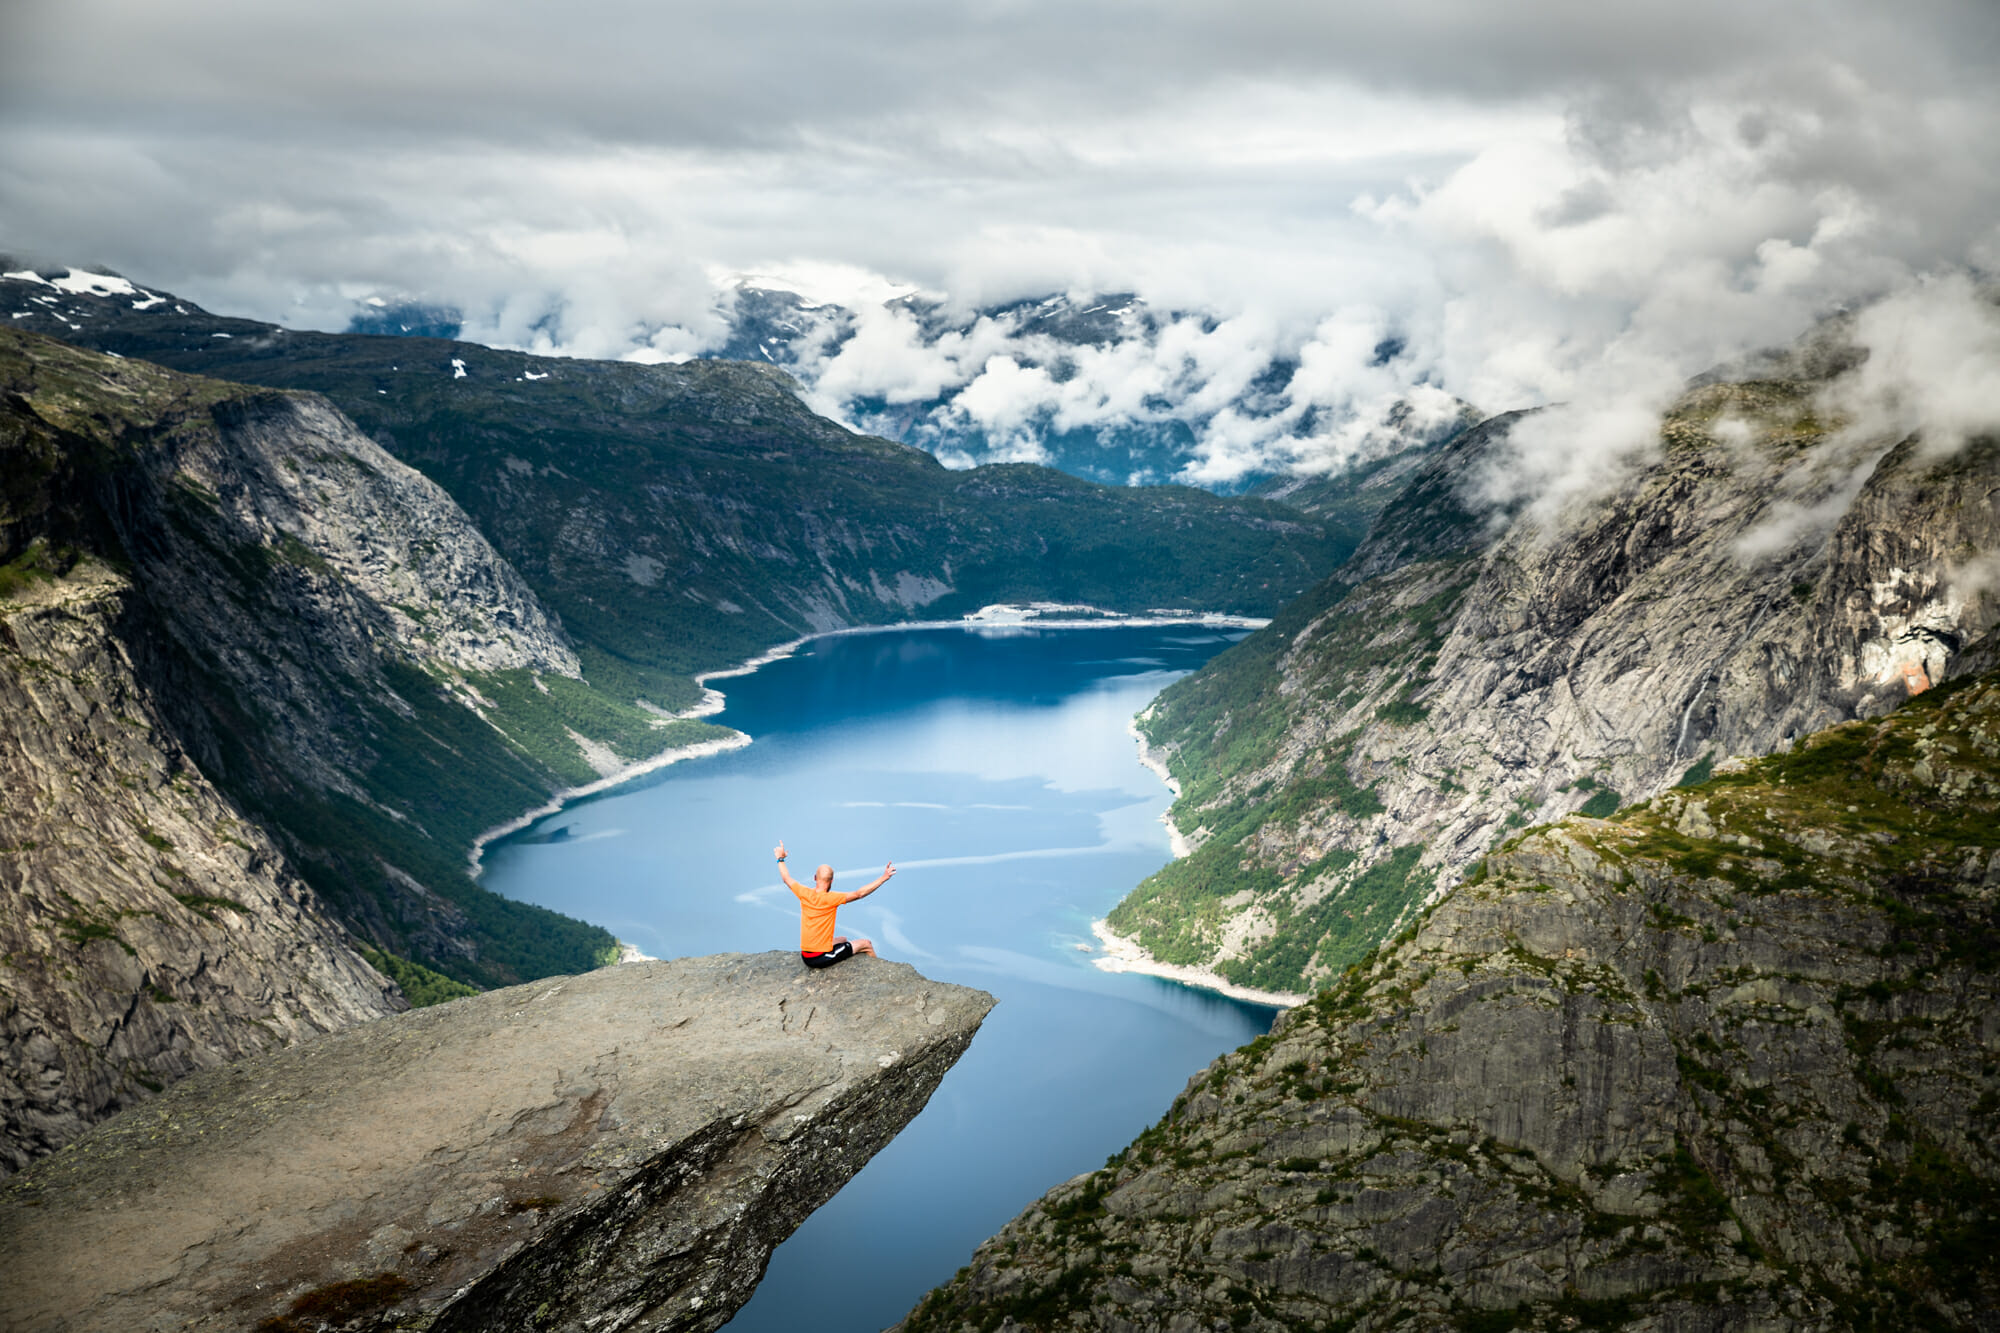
<point>816,911</point>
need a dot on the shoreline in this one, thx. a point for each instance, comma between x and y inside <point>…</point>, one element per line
<point>1127,955</point>
<point>1177,842</point>
<point>554,805</point>
<point>1001,615</point>
<point>1122,954</point>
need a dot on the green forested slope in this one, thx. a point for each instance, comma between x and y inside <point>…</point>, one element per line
<point>280,666</point>
<point>682,518</point>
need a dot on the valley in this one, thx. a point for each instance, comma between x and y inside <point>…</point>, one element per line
<point>261,638</point>
<point>1636,856</point>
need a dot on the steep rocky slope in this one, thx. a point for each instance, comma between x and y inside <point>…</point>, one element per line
<point>1730,1060</point>
<point>681,518</point>
<point>620,1150</point>
<point>241,646</point>
<point>1352,497</point>
<point>328,638</point>
<point>1474,670</point>
<point>147,929</point>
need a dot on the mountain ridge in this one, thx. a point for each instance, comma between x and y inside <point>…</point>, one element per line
<point>1470,671</point>
<point>1723,1061</point>
<point>653,502</point>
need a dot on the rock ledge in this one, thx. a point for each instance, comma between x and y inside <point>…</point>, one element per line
<point>616,1150</point>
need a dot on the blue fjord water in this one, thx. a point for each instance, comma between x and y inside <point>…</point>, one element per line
<point>994,767</point>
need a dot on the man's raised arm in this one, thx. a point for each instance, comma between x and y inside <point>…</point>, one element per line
<point>880,881</point>
<point>784,873</point>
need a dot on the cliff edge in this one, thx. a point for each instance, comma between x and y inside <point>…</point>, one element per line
<point>618,1150</point>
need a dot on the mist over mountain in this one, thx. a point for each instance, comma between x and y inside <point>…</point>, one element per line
<point>1107,387</point>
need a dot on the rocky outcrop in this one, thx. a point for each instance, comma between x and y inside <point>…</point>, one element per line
<point>619,1150</point>
<point>258,679</point>
<point>1477,669</point>
<point>342,555</point>
<point>1729,1061</point>
<point>148,929</point>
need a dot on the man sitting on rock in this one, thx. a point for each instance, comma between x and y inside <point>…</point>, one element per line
<point>818,945</point>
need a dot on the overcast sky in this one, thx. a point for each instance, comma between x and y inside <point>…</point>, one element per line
<point>1550,199</point>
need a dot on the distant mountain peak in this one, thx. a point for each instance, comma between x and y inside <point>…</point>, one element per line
<point>406,319</point>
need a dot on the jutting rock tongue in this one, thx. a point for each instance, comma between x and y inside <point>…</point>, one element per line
<point>618,1150</point>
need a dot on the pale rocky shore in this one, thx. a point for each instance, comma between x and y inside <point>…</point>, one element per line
<point>1120,954</point>
<point>610,781</point>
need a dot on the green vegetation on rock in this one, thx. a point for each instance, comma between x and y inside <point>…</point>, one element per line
<point>1272,816</point>
<point>421,986</point>
<point>1603,804</point>
<point>1721,1061</point>
<point>370,759</point>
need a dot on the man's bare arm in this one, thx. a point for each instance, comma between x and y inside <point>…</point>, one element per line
<point>880,881</point>
<point>785,873</point>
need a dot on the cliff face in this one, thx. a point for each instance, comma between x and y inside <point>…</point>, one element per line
<point>1472,671</point>
<point>275,510</point>
<point>148,929</point>
<point>260,679</point>
<point>1728,1061</point>
<point>619,1150</point>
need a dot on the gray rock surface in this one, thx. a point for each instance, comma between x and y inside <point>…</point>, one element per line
<point>1728,1062</point>
<point>293,555</point>
<point>147,928</point>
<point>204,591</point>
<point>1761,574</point>
<point>615,1150</point>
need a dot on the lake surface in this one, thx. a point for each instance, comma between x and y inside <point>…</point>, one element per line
<point>995,768</point>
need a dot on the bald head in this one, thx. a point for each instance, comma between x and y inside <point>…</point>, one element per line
<point>823,877</point>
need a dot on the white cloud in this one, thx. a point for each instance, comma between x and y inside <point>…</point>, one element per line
<point>1555,202</point>
<point>1933,366</point>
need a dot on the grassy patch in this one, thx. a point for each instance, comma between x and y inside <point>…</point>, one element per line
<point>207,905</point>
<point>1603,804</point>
<point>1337,930</point>
<point>339,1303</point>
<point>538,713</point>
<point>81,930</point>
<point>421,985</point>
<point>1702,771</point>
<point>39,563</point>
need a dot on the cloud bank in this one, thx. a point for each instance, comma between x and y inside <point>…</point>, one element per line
<point>1552,202</point>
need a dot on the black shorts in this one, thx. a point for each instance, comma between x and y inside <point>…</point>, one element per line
<point>830,957</point>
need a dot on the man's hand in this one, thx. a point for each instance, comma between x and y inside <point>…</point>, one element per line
<point>779,850</point>
<point>877,883</point>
